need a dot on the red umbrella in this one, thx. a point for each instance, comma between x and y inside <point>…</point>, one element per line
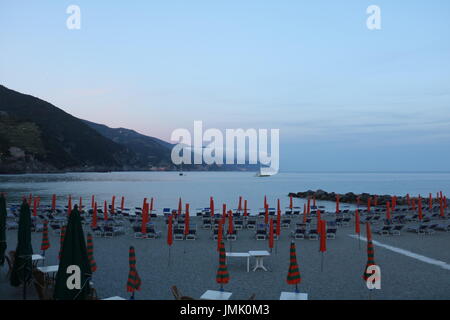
<point>420,208</point>
<point>122,203</point>
<point>245,208</point>
<point>388,210</point>
<point>266,215</point>
<point>368,204</point>
<point>224,213</point>
<point>169,231</point>
<point>45,244</point>
<point>105,211</point>
<point>291,202</point>
<point>211,206</point>
<point>90,253</point>
<point>69,205</point>
<point>319,217</point>
<point>394,202</point>
<point>323,239</point>
<point>144,202</point>
<point>134,281</point>
<point>186,220</point>
<point>35,207</point>
<point>271,234</point>
<point>94,216</point>
<point>441,207</point>
<point>113,207</point>
<point>278,219</point>
<point>293,276</point>
<point>151,205</point>
<point>445,202</point>
<point>180,206</point>
<point>337,204</point>
<point>92,201</point>
<point>230,222</point>
<point>54,202</point>
<point>440,194</point>
<point>265,201</point>
<point>408,200</point>
<point>240,204</point>
<point>219,235</point>
<point>430,202</point>
<point>304,213</point>
<point>144,219</point>
<point>308,207</point>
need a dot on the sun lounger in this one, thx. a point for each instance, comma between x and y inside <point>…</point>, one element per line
<point>298,234</point>
<point>443,227</point>
<point>206,223</point>
<point>312,234</point>
<point>232,236</point>
<point>285,223</point>
<point>419,229</point>
<point>215,234</point>
<point>239,224</point>
<point>261,234</point>
<point>384,230</point>
<point>251,224</point>
<point>396,229</point>
<point>178,234</point>
<point>192,234</point>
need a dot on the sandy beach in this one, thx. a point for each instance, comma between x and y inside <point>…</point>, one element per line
<point>194,263</point>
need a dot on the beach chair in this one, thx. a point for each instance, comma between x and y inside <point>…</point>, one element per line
<point>178,234</point>
<point>443,227</point>
<point>339,220</point>
<point>215,234</point>
<point>385,230</point>
<point>419,229</point>
<point>192,234</point>
<point>206,223</point>
<point>296,211</point>
<point>232,236</point>
<point>346,221</point>
<point>251,224</point>
<point>177,295</point>
<point>298,234</point>
<point>331,230</point>
<point>239,224</point>
<point>261,234</point>
<point>396,229</point>
<point>285,223</point>
<point>312,234</point>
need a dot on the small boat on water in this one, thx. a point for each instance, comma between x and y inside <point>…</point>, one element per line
<point>265,172</point>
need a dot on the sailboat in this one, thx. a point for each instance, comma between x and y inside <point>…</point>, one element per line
<point>265,172</point>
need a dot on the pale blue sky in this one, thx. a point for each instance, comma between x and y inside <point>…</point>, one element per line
<point>343,97</point>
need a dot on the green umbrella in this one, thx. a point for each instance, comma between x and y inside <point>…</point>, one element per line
<point>73,258</point>
<point>22,268</point>
<point>2,229</point>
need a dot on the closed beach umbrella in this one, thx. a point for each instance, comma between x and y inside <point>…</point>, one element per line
<point>113,208</point>
<point>445,202</point>
<point>278,218</point>
<point>323,239</point>
<point>430,202</point>
<point>240,204</point>
<point>368,204</point>
<point>94,216</point>
<point>245,208</point>
<point>179,206</point>
<point>388,210</point>
<point>69,205</point>
<point>291,203</point>
<point>74,253</point>
<point>211,206</point>
<point>22,268</point>
<point>3,245</point>
<point>219,235</point>
<point>35,201</point>
<point>61,240</point>
<point>90,253</point>
<point>266,214</point>
<point>186,220</point>
<point>134,281</point>
<point>441,207</point>
<point>271,234</point>
<point>144,202</point>
<point>265,201</point>
<point>319,217</point>
<point>45,243</point>
<point>419,205</point>
<point>293,276</point>
<point>105,211</point>
<point>408,200</point>
<point>370,253</point>
<point>224,213</point>
<point>144,219</point>
<point>337,204</point>
<point>222,276</point>
<point>230,222</point>
<point>308,207</point>
<point>304,213</point>
<point>122,203</point>
<point>170,231</point>
<point>54,202</point>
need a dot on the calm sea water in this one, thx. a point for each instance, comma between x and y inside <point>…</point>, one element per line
<point>225,187</point>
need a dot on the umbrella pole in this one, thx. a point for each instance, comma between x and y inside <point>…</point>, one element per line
<point>296,288</point>
<point>321,263</point>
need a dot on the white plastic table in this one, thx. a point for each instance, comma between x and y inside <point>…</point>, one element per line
<point>240,255</point>
<point>49,269</point>
<point>37,257</point>
<point>259,256</point>
<point>115,298</point>
<point>216,295</point>
<point>293,296</point>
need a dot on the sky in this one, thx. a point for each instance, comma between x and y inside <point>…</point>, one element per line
<point>344,97</point>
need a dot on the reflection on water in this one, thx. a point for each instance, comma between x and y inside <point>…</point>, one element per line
<point>225,187</point>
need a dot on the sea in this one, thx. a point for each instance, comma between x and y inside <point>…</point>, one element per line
<point>196,188</point>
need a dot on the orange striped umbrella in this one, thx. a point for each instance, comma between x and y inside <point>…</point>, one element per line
<point>170,231</point>
<point>370,253</point>
<point>337,204</point>
<point>271,234</point>
<point>219,235</point>
<point>388,210</point>
<point>144,219</point>
<point>180,207</point>
<point>230,222</point>
<point>134,281</point>
<point>144,202</point>
<point>308,207</point>
<point>266,214</point>
<point>90,253</point>
<point>304,213</point>
<point>222,276</point>
<point>323,240</point>
<point>293,276</point>
<point>420,208</point>
<point>211,206</point>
